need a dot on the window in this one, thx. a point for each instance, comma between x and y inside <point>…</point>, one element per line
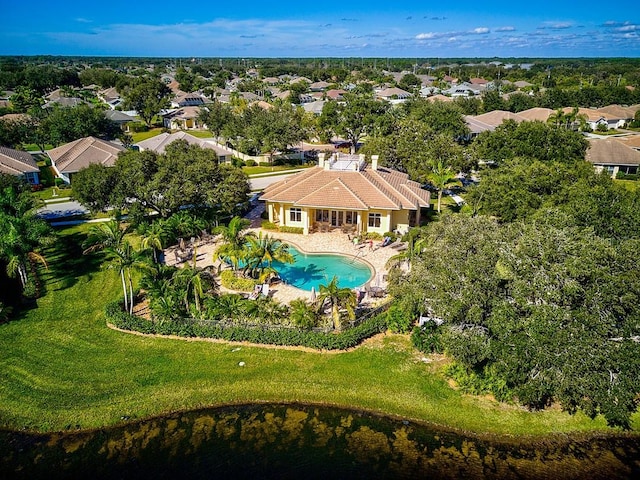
<point>322,215</point>
<point>375,219</point>
<point>295,215</point>
<point>351,218</point>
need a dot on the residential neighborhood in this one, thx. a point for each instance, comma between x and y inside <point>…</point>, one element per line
<point>449,242</point>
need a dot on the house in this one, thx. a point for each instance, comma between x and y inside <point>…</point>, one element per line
<point>122,119</point>
<point>185,118</point>
<point>393,95</point>
<point>159,143</point>
<point>497,117</point>
<point>344,192</point>
<point>111,97</point>
<point>319,86</point>
<point>19,164</point>
<point>187,100</point>
<point>595,117</point>
<point>439,98</point>
<point>462,90</point>
<point>536,113</point>
<point>314,107</point>
<point>336,94</point>
<point>625,114</point>
<point>613,156</point>
<point>65,102</point>
<point>70,158</point>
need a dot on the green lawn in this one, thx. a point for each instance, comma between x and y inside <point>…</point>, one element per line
<point>61,365</point>
<point>140,136</point>
<point>631,185</point>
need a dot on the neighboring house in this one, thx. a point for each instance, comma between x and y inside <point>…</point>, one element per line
<point>20,164</point>
<point>595,117</point>
<point>122,119</point>
<point>319,86</point>
<point>613,156</point>
<point>187,100</point>
<point>159,143</point>
<point>497,117</point>
<point>64,102</point>
<point>429,91</point>
<point>70,158</point>
<point>314,107</point>
<point>438,97</point>
<point>393,94</point>
<point>632,141</point>
<point>343,192</point>
<point>185,118</point>
<point>462,90</point>
<point>337,95</point>
<point>625,114</point>
<point>520,84</point>
<point>271,80</point>
<point>111,97</point>
<point>536,113</point>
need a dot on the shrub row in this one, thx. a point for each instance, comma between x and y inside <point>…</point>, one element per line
<point>267,225</point>
<point>285,336</point>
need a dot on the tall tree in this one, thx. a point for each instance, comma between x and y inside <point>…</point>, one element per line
<point>147,97</point>
<point>442,177</point>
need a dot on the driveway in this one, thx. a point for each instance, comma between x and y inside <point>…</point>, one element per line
<point>63,209</point>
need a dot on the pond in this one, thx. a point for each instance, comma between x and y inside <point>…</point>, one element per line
<point>312,269</point>
<point>287,441</point>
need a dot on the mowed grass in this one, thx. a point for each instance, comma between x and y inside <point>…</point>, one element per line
<point>62,367</point>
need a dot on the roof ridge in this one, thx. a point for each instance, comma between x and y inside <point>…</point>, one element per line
<point>378,184</point>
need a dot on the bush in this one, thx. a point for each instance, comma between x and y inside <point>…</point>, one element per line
<point>626,176</point>
<point>237,162</point>
<point>427,338</point>
<point>250,162</point>
<point>229,280</point>
<point>286,229</point>
<point>60,183</point>
<point>262,335</point>
<point>398,320</point>
<point>138,127</point>
<point>267,225</point>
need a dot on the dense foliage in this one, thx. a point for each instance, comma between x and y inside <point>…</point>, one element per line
<point>146,181</point>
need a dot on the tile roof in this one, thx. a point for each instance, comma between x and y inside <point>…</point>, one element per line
<point>355,190</point>
<point>618,111</point>
<point>611,152</point>
<point>15,162</point>
<point>536,113</point>
<point>632,141</point>
<point>159,143</point>
<point>81,153</point>
<point>496,117</point>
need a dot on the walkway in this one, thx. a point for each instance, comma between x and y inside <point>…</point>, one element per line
<point>339,243</point>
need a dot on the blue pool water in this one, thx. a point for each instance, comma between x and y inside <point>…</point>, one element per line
<point>311,270</point>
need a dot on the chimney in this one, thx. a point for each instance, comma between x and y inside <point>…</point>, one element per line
<point>374,162</point>
<point>321,159</point>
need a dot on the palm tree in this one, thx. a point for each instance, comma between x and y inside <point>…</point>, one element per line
<point>21,242</point>
<point>262,251</point>
<point>104,235</point>
<point>337,298</point>
<point>155,238</point>
<point>442,177</point>
<point>415,246</point>
<point>110,238</point>
<point>234,239</point>
<point>194,283</point>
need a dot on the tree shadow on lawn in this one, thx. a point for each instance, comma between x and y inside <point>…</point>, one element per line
<point>66,262</point>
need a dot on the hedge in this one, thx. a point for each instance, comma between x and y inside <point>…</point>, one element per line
<point>261,335</point>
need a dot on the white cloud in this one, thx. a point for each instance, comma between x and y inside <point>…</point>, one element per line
<point>480,30</point>
<point>425,36</point>
<point>504,29</point>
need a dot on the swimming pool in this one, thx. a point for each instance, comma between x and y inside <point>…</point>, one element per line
<point>313,269</point>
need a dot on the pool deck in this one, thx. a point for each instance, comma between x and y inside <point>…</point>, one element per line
<point>335,242</point>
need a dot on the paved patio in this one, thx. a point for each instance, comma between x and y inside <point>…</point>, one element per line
<point>333,242</point>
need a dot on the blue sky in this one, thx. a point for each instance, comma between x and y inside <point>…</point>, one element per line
<point>358,28</point>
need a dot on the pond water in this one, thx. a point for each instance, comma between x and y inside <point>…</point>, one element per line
<point>312,269</point>
<point>307,442</point>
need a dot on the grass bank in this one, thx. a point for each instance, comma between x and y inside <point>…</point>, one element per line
<point>63,367</point>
